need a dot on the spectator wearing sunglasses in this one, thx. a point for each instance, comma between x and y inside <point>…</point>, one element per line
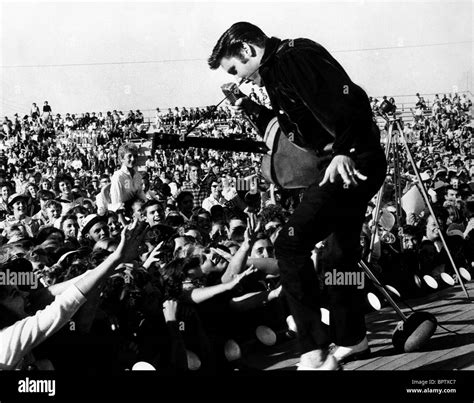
<point>215,198</point>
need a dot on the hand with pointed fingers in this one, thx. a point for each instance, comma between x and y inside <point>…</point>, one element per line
<point>343,167</point>
<point>133,235</point>
<point>253,227</point>
<point>237,278</point>
<point>153,256</point>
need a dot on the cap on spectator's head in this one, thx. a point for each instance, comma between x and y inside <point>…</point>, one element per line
<point>16,196</point>
<point>90,221</point>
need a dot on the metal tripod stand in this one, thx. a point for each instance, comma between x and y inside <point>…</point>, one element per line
<point>394,137</point>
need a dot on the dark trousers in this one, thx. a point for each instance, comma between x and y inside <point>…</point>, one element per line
<point>336,214</point>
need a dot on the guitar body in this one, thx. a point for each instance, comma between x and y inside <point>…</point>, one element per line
<point>286,164</point>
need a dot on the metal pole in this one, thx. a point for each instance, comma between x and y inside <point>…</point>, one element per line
<point>428,203</point>
<point>379,198</point>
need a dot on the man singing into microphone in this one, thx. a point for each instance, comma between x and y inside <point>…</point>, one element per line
<point>316,104</point>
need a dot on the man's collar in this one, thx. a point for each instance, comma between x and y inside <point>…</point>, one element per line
<point>123,168</point>
<point>271,47</point>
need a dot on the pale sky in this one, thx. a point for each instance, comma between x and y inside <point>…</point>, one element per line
<point>175,39</point>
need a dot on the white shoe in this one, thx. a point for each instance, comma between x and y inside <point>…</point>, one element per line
<point>358,351</point>
<point>330,364</point>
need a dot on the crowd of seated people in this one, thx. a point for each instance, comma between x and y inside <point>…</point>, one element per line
<point>172,263</point>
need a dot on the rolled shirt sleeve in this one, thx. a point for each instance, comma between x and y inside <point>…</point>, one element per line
<point>20,338</point>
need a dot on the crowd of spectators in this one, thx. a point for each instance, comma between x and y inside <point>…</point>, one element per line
<point>193,287</point>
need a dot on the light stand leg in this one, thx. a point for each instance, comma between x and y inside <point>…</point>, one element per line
<point>428,203</point>
<point>381,288</point>
<point>398,186</point>
<point>379,198</point>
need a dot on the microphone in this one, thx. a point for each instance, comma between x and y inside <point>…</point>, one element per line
<point>233,93</point>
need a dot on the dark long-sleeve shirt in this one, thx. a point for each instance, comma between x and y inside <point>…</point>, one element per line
<point>315,101</point>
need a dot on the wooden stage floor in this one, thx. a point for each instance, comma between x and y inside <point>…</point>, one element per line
<point>444,351</point>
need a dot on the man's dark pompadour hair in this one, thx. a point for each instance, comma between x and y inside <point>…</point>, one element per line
<point>230,43</point>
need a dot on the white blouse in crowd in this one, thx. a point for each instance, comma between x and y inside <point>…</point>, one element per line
<point>17,340</point>
<point>124,187</point>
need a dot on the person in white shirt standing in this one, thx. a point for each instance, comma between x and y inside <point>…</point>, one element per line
<point>126,185</point>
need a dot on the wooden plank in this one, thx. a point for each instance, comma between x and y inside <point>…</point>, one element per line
<point>448,305</point>
<point>453,359</point>
<point>464,311</point>
<point>399,360</point>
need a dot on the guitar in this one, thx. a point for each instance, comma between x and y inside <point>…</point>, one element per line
<point>283,163</point>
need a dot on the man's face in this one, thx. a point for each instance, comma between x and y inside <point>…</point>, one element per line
<point>114,226</point>
<point>53,212</point>
<point>409,242</point>
<point>65,187</point>
<point>5,192</point>
<point>451,195</point>
<point>32,191</point>
<point>245,67</point>
<point>432,231</point>
<point>70,228</point>
<point>130,159</point>
<point>204,222</point>
<point>154,214</point>
<point>137,207</point>
<point>216,189</point>
<point>99,231</point>
<point>262,248</point>
<point>194,173</point>
<point>19,206</point>
<point>212,262</point>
